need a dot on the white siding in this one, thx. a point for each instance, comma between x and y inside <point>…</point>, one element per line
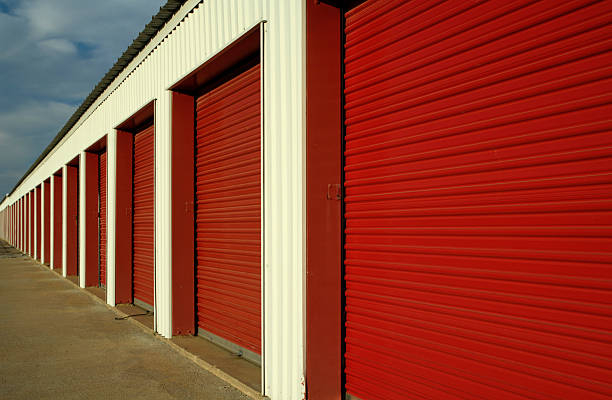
<point>35,223</point>
<point>51,222</point>
<point>42,221</point>
<point>64,220</point>
<point>187,41</point>
<point>82,220</point>
<point>111,168</point>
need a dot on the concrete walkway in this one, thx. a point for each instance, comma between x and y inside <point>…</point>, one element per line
<point>56,342</point>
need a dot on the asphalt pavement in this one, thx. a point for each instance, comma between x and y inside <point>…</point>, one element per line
<point>58,342</point>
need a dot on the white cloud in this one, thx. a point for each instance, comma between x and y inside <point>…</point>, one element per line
<point>33,116</point>
<point>52,53</point>
<point>45,17</point>
<point>61,46</point>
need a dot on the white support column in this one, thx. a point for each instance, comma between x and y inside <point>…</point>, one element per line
<point>20,226</point>
<point>30,218</point>
<point>163,212</point>
<point>64,219</point>
<point>111,189</point>
<point>28,224</point>
<point>42,223</point>
<point>82,220</point>
<point>51,225</point>
<point>35,223</point>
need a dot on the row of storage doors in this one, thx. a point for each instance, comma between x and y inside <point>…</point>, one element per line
<point>142,217</point>
<point>228,212</point>
<point>477,207</point>
<point>478,200</point>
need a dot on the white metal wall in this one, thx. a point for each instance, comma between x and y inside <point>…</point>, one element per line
<point>64,220</point>
<point>52,232</point>
<point>42,220</point>
<point>197,32</point>
<point>36,190</point>
<point>82,219</point>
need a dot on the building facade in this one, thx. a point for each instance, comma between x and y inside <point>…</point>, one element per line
<point>372,199</point>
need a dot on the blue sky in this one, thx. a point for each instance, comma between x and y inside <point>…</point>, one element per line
<point>52,54</point>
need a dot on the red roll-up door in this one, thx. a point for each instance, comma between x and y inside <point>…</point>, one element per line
<point>102,217</point>
<point>57,222</point>
<point>478,177</point>
<point>228,214</point>
<point>144,224</point>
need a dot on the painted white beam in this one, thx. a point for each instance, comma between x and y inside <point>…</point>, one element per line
<point>82,219</point>
<point>51,224</point>
<point>163,212</point>
<point>64,220</point>
<point>111,185</point>
<point>35,223</point>
<point>42,223</point>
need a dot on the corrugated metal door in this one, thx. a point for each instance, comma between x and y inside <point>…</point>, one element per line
<point>57,223</point>
<point>143,215</point>
<point>102,216</point>
<point>228,211</point>
<point>478,200</point>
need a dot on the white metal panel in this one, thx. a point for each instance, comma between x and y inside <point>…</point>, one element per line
<point>163,203</point>
<point>35,223</point>
<point>82,221</point>
<point>26,246</point>
<point>42,222</point>
<point>64,220</point>
<point>21,224</point>
<point>173,53</point>
<point>111,168</point>
<point>51,223</point>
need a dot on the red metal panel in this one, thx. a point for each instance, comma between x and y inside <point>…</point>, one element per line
<point>183,232</point>
<point>478,200</point>
<point>91,207</point>
<point>144,223</point>
<point>31,219</point>
<point>228,210</point>
<point>72,215</point>
<point>123,218</point>
<point>38,222</point>
<point>57,222</point>
<point>323,216</point>
<point>102,219</point>
<point>46,222</point>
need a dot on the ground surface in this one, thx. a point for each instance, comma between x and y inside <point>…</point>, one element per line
<point>56,342</point>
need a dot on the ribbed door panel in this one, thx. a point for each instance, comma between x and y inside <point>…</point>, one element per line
<point>38,222</point>
<point>228,215</point>
<point>143,214</point>
<point>478,177</point>
<point>57,223</point>
<point>102,217</point>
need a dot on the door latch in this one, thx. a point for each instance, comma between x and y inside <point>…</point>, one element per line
<point>334,191</point>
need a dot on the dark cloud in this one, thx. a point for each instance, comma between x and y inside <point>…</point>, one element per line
<point>52,54</point>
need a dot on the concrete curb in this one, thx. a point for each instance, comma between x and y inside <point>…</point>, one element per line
<point>247,390</point>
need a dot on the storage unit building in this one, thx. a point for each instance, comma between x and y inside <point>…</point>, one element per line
<point>374,199</point>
